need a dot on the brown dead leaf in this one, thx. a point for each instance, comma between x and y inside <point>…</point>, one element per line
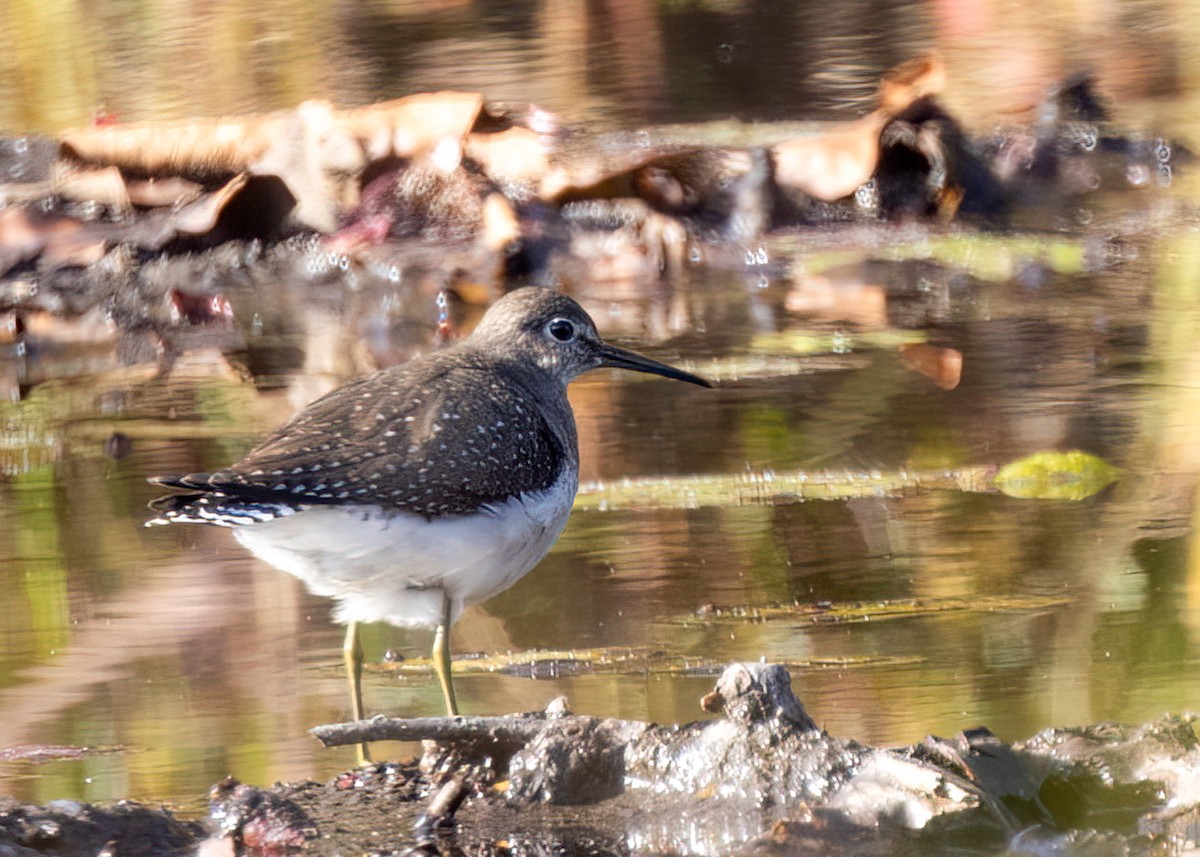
<point>408,126</point>
<point>200,217</point>
<point>91,327</point>
<point>107,186</point>
<point>910,81</point>
<point>832,165</point>
<point>942,366</point>
<point>26,233</point>
<point>74,244</point>
<point>196,148</point>
<point>85,183</point>
<point>500,226</point>
<point>21,237</point>
<point>318,151</point>
<point>514,156</point>
<point>152,229</point>
<point>593,175</point>
<point>56,240</point>
<point>160,193</point>
<point>320,160</point>
<point>244,207</point>
<point>673,181</point>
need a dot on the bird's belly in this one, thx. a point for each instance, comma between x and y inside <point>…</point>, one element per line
<point>394,566</point>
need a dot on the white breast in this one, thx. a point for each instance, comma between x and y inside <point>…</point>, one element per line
<point>394,566</point>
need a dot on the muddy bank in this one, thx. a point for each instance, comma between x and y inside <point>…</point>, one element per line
<point>761,779</point>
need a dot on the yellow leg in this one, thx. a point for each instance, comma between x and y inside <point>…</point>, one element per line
<point>441,658</point>
<point>352,653</point>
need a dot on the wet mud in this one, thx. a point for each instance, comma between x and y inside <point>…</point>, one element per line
<point>761,779</point>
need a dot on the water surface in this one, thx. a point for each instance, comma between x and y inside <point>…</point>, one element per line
<point>190,660</point>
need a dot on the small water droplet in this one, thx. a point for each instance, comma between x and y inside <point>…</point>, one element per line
<point>443,314</point>
<point>866,196</point>
<point>1138,175</point>
<point>725,53</point>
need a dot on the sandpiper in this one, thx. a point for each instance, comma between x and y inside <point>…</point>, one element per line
<point>446,478</point>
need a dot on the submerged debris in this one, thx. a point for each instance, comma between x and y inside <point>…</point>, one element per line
<point>68,828</point>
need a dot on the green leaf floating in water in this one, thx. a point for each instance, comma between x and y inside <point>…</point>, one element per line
<point>1071,475</point>
<point>1044,476</point>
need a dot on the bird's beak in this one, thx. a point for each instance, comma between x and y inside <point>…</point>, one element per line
<point>619,358</point>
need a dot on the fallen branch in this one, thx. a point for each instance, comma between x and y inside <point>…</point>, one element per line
<point>474,730</point>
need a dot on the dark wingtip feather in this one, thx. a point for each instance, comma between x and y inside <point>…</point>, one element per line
<point>217,508</point>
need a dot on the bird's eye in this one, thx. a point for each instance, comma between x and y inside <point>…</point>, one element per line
<point>562,329</point>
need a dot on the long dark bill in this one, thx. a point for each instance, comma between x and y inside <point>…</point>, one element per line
<point>611,355</point>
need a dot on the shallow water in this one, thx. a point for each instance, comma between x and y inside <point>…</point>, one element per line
<point>190,660</point>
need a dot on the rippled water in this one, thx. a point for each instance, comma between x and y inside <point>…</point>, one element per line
<point>190,660</point>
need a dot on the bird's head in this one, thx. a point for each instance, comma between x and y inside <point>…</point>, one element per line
<point>553,332</point>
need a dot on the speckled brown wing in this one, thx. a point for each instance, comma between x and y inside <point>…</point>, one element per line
<point>433,440</point>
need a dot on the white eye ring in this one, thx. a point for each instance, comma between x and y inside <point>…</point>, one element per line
<point>562,330</point>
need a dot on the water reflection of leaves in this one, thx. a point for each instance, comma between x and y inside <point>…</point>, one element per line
<point>774,488</point>
<point>1046,475</point>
